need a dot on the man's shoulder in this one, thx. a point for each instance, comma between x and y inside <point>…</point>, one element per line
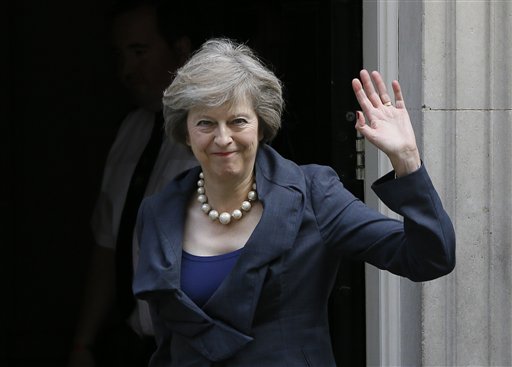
<point>137,117</point>
<point>136,124</point>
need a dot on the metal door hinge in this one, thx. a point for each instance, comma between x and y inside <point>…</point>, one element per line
<point>359,156</point>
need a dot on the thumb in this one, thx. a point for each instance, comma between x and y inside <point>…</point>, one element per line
<point>360,120</point>
<point>361,126</point>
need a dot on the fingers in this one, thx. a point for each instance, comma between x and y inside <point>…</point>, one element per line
<point>361,125</point>
<point>372,95</point>
<point>374,99</point>
<point>385,99</point>
<point>366,93</point>
<point>361,95</point>
<point>399,99</point>
<point>360,120</point>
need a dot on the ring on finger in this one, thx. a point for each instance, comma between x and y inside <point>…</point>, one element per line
<point>387,104</point>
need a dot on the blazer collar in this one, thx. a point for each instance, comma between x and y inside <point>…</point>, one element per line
<point>281,191</point>
<point>283,205</point>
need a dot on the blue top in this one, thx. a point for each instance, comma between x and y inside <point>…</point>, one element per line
<point>202,275</point>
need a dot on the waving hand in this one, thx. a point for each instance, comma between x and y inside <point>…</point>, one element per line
<point>389,127</point>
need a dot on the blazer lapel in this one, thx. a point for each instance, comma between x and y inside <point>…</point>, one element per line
<point>170,214</point>
<point>223,326</point>
<point>236,299</point>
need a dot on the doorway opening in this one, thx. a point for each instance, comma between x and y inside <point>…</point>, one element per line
<point>315,48</point>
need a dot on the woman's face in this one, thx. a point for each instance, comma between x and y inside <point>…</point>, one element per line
<point>224,139</point>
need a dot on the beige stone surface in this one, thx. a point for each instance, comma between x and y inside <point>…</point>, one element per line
<point>467,316</point>
<point>467,55</point>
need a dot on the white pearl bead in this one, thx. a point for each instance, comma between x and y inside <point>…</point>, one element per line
<point>237,214</point>
<point>224,218</point>
<point>206,208</point>
<point>252,195</point>
<point>213,214</point>
<point>246,206</point>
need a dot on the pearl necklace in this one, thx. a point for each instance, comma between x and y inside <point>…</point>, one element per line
<point>224,217</point>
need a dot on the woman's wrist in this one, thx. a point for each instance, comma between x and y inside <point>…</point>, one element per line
<point>406,164</point>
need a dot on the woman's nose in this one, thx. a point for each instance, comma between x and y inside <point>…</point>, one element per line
<point>223,135</point>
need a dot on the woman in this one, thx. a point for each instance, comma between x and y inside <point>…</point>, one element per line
<point>239,255</point>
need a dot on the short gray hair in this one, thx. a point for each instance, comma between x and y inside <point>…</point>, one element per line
<point>223,71</point>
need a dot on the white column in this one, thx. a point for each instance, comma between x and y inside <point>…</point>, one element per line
<point>380,52</point>
<point>467,139</point>
<point>454,60</point>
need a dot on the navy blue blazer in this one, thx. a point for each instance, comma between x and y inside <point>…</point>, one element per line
<point>271,310</point>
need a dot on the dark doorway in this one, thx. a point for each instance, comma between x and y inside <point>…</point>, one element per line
<point>63,111</point>
<point>315,48</point>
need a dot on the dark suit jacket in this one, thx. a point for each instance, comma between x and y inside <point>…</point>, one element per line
<point>271,310</point>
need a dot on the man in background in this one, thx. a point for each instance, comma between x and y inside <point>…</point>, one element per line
<point>114,329</point>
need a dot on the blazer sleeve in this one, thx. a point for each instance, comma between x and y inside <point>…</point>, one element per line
<point>421,248</point>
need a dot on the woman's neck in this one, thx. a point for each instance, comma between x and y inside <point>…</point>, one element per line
<point>227,194</point>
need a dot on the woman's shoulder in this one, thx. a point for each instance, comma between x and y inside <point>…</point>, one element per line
<point>322,181</point>
<point>281,169</point>
<point>283,172</point>
<point>315,171</point>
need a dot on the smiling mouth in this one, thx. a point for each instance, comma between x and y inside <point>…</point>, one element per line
<point>223,154</point>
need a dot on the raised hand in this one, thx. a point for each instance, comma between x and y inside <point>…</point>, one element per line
<point>389,127</point>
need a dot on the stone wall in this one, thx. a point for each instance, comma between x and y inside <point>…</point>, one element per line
<point>466,133</point>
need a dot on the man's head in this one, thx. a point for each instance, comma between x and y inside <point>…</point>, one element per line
<point>146,56</point>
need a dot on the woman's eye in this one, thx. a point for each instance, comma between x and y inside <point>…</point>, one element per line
<point>204,123</point>
<point>239,121</point>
